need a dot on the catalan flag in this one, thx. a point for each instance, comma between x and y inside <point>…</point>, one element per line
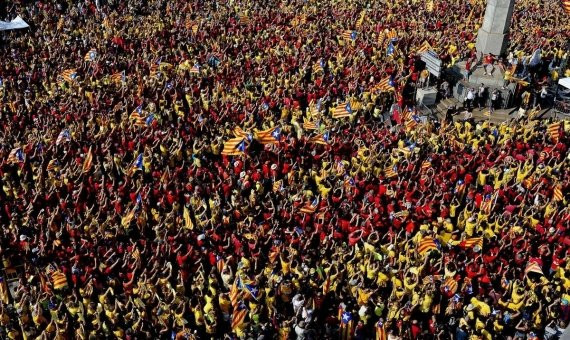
<point>349,35</point>
<point>52,165</point>
<point>187,220</point>
<point>235,291</point>
<point>252,289</point>
<point>412,123</point>
<point>88,162</point>
<point>239,132</point>
<point>472,242</point>
<point>269,136</point>
<point>310,208</point>
<point>449,286</point>
<point>310,125</point>
<point>59,280</point>
<point>342,110</point>
<point>380,331</point>
<point>460,187</point>
<point>195,69</point>
<point>381,37</point>
<point>425,47</point>
<point>557,193</point>
<point>391,35</point>
<point>234,146</point>
<point>321,138</point>
<point>119,77</point>
<point>360,20</point>
<point>385,85</point>
<point>533,267</point>
<point>390,172</point>
<point>554,131</point>
<point>91,55</point>
<point>390,50</point>
<point>137,116</point>
<point>426,245</point>
<point>566,6</point>
<point>346,329</point>
<point>487,205</point>
<point>64,136</point>
<point>68,75</point>
<point>426,164</point>
<point>238,317</point>
<point>16,156</point>
<point>137,164</point>
<point>319,67</point>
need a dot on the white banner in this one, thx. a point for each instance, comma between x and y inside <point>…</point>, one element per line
<point>14,24</point>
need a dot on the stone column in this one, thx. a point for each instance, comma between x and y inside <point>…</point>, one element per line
<point>492,36</point>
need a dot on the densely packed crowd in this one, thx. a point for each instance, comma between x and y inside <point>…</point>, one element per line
<point>223,169</point>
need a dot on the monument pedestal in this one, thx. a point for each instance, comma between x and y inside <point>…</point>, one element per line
<point>492,81</point>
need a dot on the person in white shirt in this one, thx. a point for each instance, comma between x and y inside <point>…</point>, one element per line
<point>469,98</point>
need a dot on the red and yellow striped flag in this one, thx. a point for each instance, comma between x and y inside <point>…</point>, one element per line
<point>425,47</point>
<point>385,85</point>
<point>449,286</point>
<point>557,194</point>
<point>239,132</point>
<point>58,280</point>
<point>390,172</point>
<point>269,136</point>
<point>88,162</point>
<point>342,110</point>
<point>187,220</point>
<point>554,131</point>
<point>472,242</point>
<point>426,245</point>
<point>234,146</point>
<point>309,125</point>
<point>380,331</point>
<point>310,207</point>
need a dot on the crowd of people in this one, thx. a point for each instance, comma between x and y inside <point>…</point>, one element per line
<point>228,169</point>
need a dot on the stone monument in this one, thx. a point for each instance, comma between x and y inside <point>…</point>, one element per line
<point>492,36</point>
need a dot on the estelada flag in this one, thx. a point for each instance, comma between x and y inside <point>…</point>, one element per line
<point>349,34</point>
<point>269,136</point>
<point>472,242</point>
<point>234,146</point>
<point>385,85</point>
<point>390,172</point>
<point>321,138</point>
<point>310,208</point>
<point>342,110</point>
<point>380,331</point>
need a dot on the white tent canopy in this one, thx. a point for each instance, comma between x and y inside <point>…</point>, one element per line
<point>14,24</point>
<point>564,82</point>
